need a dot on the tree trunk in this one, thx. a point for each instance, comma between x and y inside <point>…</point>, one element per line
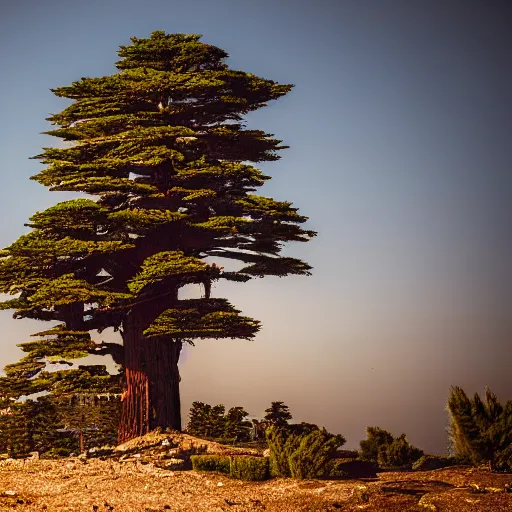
<point>151,397</point>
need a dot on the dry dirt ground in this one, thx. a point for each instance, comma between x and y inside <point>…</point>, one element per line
<point>133,480</point>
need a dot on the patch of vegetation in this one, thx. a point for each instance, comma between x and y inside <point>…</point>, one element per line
<point>393,453</point>
<point>217,463</point>
<point>246,467</point>
<point>376,438</point>
<point>400,454</point>
<point>241,467</point>
<point>303,455</point>
<point>481,431</point>
<point>278,414</point>
<point>211,422</point>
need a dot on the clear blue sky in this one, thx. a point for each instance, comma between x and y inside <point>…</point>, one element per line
<point>399,127</point>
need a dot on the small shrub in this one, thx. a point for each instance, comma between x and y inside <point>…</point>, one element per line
<point>301,455</point>
<point>399,454</point>
<point>376,439</point>
<point>309,460</point>
<point>246,467</point>
<point>220,463</point>
<point>429,462</point>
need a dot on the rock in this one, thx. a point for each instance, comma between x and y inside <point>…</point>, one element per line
<point>10,493</point>
<point>220,484</point>
<point>172,464</point>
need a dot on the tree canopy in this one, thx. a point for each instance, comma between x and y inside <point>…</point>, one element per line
<point>480,431</point>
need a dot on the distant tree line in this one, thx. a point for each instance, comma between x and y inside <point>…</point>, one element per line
<point>213,422</point>
<point>480,431</point>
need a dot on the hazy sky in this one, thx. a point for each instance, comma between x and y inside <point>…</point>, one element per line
<point>399,126</point>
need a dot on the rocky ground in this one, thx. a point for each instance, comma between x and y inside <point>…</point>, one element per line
<point>141,476</point>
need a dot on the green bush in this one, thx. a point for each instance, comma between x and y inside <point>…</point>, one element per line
<point>377,438</point>
<point>301,455</point>
<point>243,467</point>
<point>282,443</point>
<point>429,462</point>
<point>481,430</point>
<point>309,460</point>
<point>399,454</point>
<point>220,463</point>
<point>246,467</point>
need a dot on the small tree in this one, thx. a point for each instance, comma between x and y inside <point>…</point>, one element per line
<point>207,421</point>
<point>236,426</point>
<point>278,414</point>
<point>480,431</point>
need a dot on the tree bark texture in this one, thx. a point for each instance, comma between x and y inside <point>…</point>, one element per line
<point>151,397</point>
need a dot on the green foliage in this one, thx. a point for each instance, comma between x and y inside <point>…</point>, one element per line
<point>245,467</point>
<point>380,447</point>
<point>203,318</point>
<point>375,440</point>
<point>430,462</point>
<point>480,431</point>
<point>278,414</point>
<point>210,422</point>
<point>398,454</point>
<point>218,463</point>
<point>282,443</point>
<point>236,426</point>
<point>15,435</point>
<point>206,421</point>
<point>56,423</point>
<point>303,455</point>
<point>309,460</point>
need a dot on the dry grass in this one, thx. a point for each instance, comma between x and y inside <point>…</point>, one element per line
<point>137,484</point>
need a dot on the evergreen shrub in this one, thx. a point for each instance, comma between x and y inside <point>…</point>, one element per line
<point>399,454</point>
<point>282,444</point>
<point>247,467</point>
<point>301,455</point>
<point>218,463</point>
<point>315,450</point>
<point>376,439</point>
